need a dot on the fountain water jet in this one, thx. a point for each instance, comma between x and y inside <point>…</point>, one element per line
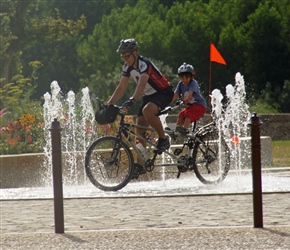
<point>237,117</point>
<point>65,108</point>
<point>79,129</point>
<point>233,119</point>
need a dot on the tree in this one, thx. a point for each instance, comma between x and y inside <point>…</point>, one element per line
<point>253,37</point>
<point>59,57</point>
<point>16,95</point>
<point>285,97</point>
<point>22,26</point>
<point>98,51</point>
<point>267,51</point>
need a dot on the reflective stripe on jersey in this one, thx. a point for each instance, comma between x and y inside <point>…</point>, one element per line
<point>156,80</point>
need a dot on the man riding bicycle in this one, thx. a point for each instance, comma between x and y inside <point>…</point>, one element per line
<point>154,88</point>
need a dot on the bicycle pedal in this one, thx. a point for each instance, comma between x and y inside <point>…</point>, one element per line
<point>156,151</point>
<point>177,151</point>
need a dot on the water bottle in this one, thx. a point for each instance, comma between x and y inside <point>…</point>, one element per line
<point>141,149</point>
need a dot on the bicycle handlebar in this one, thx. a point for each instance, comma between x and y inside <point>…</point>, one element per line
<point>170,108</point>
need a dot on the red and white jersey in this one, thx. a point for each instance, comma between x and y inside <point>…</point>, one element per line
<point>156,80</point>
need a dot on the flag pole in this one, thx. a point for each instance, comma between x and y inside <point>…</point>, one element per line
<point>214,56</point>
<point>209,83</point>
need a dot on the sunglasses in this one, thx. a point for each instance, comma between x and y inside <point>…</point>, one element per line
<point>126,57</point>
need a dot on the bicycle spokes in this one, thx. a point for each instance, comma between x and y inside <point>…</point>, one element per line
<point>109,164</point>
<point>212,158</point>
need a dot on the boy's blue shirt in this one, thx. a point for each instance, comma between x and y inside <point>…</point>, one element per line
<point>181,89</point>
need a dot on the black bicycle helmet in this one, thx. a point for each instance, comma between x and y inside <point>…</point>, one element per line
<point>128,46</point>
<point>185,68</point>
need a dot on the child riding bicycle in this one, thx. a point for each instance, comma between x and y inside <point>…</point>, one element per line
<point>188,89</point>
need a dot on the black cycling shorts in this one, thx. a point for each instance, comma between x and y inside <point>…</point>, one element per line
<point>161,98</point>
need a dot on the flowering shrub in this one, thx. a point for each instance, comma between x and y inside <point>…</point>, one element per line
<point>24,135</point>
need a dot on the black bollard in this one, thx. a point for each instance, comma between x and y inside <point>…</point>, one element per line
<point>255,125</point>
<point>57,176</point>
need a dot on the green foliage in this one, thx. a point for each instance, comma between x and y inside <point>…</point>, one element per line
<point>263,33</point>
<point>260,106</point>
<point>6,35</point>
<point>99,50</point>
<point>277,97</point>
<point>102,86</point>
<point>24,26</point>
<point>16,95</point>
<point>280,151</point>
<point>21,120</point>
<point>49,29</point>
<point>284,100</point>
<point>76,44</point>
<point>251,35</point>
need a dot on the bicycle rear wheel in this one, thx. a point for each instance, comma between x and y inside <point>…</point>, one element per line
<point>211,157</point>
<point>109,164</point>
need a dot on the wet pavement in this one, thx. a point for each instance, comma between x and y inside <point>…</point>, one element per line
<point>220,221</point>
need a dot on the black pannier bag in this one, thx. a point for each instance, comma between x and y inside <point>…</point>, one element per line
<point>106,114</point>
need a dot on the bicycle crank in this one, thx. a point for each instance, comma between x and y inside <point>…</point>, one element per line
<point>182,168</point>
<point>149,165</point>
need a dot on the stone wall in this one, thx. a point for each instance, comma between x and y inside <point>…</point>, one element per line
<point>22,170</point>
<point>276,126</point>
<point>30,170</point>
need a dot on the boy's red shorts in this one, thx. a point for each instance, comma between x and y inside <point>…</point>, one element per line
<point>193,112</point>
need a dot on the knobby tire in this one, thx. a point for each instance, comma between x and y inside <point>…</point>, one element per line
<point>211,157</point>
<point>106,169</point>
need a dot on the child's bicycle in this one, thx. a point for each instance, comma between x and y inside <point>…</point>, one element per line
<point>109,162</point>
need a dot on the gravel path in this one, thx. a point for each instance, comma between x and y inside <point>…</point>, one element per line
<point>165,222</point>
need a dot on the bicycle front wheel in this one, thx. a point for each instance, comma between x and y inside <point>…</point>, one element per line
<point>211,158</point>
<point>109,164</point>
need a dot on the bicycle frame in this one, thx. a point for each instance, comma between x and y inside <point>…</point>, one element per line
<point>126,130</point>
<point>204,151</point>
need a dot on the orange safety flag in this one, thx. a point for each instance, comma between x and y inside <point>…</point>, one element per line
<point>215,56</point>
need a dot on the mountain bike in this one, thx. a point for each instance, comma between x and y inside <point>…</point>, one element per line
<point>109,161</point>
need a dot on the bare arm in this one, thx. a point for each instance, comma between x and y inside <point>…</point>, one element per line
<point>175,97</point>
<point>120,90</point>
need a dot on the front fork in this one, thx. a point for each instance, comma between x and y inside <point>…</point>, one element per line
<point>116,148</point>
